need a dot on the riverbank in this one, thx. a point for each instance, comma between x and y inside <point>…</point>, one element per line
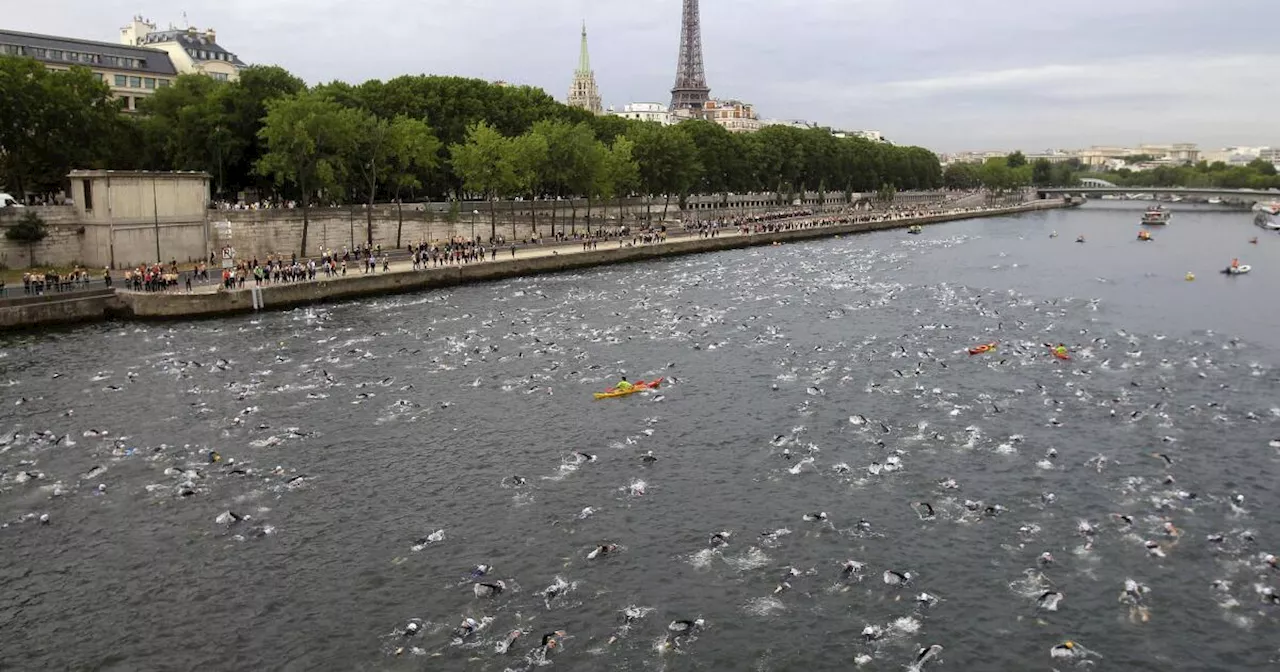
<point>215,302</point>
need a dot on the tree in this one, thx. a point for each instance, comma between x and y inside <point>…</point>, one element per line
<point>484,164</point>
<point>962,176</point>
<point>53,121</point>
<point>1041,173</point>
<point>417,153</point>
<point>668,161</point>
<point>306,137</point>
<point>386,152</point>
<point>623,175</point>
<point>1262,167</point>
<point>28,230</point>
<point>528,157</point>
<point>1015,160</point>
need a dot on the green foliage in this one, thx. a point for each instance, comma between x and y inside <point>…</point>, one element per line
<point>28,230</point>
<point>486,164</point>
<point>53,121</point>
<point>1016,160</point>
<point>1255,175</point>
<point>377,139</point>
<point>307,137</point>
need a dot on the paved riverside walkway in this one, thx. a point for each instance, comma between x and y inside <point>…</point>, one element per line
<point>505,253</point>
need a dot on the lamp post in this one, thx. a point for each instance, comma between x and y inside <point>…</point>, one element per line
<point>473,225</point>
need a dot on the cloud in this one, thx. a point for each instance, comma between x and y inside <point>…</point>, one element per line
<point>947,74</point>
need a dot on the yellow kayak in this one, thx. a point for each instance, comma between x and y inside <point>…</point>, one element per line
<point>639,386</point>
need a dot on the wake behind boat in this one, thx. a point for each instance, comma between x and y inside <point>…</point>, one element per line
<point>1267,215</point>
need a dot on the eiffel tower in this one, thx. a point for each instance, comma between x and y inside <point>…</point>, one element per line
<point>690,90</point>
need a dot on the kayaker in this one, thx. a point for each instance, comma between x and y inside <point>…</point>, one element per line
<point>623,385</point>
<point>1235,263</point>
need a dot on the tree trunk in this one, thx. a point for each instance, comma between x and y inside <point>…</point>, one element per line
<point>573,216</point>
<point>555,206</point>
<point>533,215</point>
<point>31,255</point>
<point>306,217</point>
<point>399,219</point>
<point>369,221</point>
<point>513,220</point>
<point>588,215</point>
<point>648,209</point>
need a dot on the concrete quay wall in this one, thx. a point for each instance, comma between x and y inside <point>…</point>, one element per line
<point>54,309</point>
<point>161,305</point>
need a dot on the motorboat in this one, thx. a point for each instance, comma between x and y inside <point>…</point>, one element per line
<point>1237,270</point>
<point>1267,215</point>
<point>1156,215</point>
<point>916,230</point>
<point>1215,201</point>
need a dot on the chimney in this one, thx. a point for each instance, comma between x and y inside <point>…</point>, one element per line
<point>211,35</point>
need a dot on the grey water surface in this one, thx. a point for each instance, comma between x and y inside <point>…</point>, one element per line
<point>830,376</point>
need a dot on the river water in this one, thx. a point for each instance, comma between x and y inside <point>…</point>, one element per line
<point>371,450</point>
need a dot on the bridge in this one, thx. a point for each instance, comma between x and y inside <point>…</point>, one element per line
<point>1246,195</point>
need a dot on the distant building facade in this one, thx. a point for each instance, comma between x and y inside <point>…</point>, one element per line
<point>192,51</point>
<point>583,92</point>
<point>873,136</point>
<point>734,115</point>
<point>655,112</point>
<point>131,72</point>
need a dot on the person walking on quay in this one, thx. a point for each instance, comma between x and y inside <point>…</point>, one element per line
<point>106,277</point>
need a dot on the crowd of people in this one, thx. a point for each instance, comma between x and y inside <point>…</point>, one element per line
<point>36,283</point>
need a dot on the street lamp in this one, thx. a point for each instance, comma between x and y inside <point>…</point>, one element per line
<point>473,225</point>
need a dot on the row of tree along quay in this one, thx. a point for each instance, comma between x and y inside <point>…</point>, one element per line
<point>1015,171</point>
<point>413,138</point>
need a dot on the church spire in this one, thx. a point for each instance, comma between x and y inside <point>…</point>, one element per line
<point>583,92</point>
<point>584,60</point>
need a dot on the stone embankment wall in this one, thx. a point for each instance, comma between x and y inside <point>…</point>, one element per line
<point>145,305</point>
<point>32,311</point>
<point>62,247</point>
<point>256,233</point>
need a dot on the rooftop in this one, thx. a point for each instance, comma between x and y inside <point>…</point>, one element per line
<point>200,46</point>
<point>118,56</point>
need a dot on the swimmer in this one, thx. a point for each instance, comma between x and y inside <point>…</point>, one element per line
<point>649,457</point>
<point>1046,559</point>
<point>852,569</point>
<point>813,517</point>
<point>505,645</point>
<point>684,629</point>
<point>926,654</point>
<point>720,539</point>
<point>552,639</point>
<point>467,628</point>
<point>872,633</point>
<point>926,600</point>
<point>412,629</point>
<point>584,457</point>
<point>483,590</point>
<point>1153,548</point>
<point>214,457</point>
<point>1049,600</point>
<point>480,570</point>
<point>602,549</point>
<point>896,578</point>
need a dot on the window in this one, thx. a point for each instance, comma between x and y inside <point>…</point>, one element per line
<point>135,82</point>
<point>55,54</point>
<point>149,82</point>
<point>162,83</point>
<point>121,81</point>
<point>88,196</point>
<point>99,76</point>
<point>220,76</point>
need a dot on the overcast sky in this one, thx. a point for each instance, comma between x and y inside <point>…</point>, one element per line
<point>946,74</point>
